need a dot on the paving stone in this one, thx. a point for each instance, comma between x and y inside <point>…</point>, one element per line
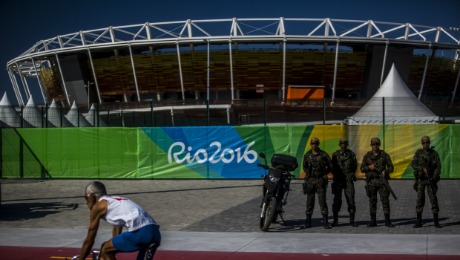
<point>217,206</point>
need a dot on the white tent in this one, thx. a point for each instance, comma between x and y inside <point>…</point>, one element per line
<point>9,117</point>
<point>401,106</point>
<point>76,118</point>
<point>93,119</point>
<point>56,116</point>
<point>32,115</point>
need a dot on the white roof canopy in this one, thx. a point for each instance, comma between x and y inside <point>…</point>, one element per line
<point>401,106</point>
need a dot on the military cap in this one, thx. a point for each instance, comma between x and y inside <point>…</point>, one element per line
<point>343,140</point>
<point>426,138</point>
<point>375,140</point>
<point>314,139</point>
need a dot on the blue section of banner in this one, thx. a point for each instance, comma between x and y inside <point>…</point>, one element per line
<point>210,151</point>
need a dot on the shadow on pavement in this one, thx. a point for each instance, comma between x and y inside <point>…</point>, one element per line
<point>18,211</point>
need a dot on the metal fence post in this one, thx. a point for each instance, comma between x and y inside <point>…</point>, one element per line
<point>383,117</point>
<point>324,111</point>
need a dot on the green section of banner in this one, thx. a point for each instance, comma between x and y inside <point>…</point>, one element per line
<point>15,160</point>
<point>80,152</point>
<point>144,152</point>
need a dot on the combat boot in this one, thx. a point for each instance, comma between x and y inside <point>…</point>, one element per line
<point>336,219</point>
<point>373,222</point>
<point>308,222</point>
<point>352,220</point>
<point>388,221</point>
<point>326,224</point>
<point>418,223</point>
<point>436,220</point>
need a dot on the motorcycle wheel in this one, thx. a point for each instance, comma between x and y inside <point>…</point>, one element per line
<point>269,214</point>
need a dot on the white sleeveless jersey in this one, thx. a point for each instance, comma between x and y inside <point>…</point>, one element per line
<point>124,212</point>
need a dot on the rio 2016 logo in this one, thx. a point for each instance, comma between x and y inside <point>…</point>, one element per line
<point>226,155</point>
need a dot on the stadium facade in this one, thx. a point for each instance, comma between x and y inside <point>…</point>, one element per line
<point>222,61</point>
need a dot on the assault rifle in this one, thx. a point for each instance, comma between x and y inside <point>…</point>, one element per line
<point>385,181</point>
<point>427,175</point>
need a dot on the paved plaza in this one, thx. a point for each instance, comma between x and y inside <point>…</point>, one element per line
<point>45,213</point>
<point>215,206</point>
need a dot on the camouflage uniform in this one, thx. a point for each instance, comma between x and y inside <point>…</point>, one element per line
<point>317,166</point>
<point>427,171</point>
<point>344,165</point>
<point>375,185</point>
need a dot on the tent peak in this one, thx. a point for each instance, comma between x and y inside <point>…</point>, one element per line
<point>393,86</point>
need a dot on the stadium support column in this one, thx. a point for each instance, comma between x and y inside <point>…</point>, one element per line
<point>231,69</point>
<point>384,61</point>
<point>134,73</point>
<point>96,83</point>
<point>424,73</point>
<point>208,80</point>
<point>334,80</point>
<point>284,72</point>
<point>62,79</point>
<point>17,92</point>
<point>24,83</point>
<point>180,72</point>
<point>455,88</point>
<point>39,83</point>
<point>228,114</point>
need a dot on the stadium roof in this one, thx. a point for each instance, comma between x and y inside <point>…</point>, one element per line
<point>239,30</point>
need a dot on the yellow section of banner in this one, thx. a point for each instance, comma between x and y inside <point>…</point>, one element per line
<point>399,141</point>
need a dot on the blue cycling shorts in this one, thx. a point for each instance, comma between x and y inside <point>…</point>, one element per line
<point>138,239</point>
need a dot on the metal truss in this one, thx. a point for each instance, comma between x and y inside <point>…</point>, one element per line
<point>248,29</point>
<point>235,30</point>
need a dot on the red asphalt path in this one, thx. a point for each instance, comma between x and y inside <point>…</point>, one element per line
<point>47,253</point>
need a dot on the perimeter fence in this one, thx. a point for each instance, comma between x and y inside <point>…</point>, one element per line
<point>263,111</point>
<point>211,152</point>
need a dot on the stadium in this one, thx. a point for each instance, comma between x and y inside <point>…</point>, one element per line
<point>233,71</point>
<point>231,88</point>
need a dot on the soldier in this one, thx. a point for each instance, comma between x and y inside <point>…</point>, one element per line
<point>427,172</point>
<point>344,165</point>
<point>317,165</point>
<point>376,165</point>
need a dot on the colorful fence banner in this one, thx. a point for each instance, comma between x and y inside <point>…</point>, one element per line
<point>205,152</point>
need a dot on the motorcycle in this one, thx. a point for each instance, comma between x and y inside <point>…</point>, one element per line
<point>276,187</point>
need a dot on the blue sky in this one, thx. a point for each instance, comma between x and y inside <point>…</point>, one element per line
<point>23,23</point>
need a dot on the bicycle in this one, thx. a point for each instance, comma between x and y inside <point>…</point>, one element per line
<point>149,253</point>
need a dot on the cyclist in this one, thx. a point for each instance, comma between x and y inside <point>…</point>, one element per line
<point>143,232</point>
